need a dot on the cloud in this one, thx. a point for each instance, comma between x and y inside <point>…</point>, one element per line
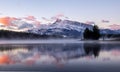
<point>115,26</point>
<point>54,18</point>
<point>90,22</point>
<point>7,21</point>
<point>31,18</point>
<point>19,23</point>
<point>105,21</point>
<point>59,16</point>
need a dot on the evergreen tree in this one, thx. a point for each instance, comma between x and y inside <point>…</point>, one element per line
<point>86,33</point>
<point>96,32</point>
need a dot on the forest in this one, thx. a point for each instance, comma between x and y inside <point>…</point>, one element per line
<point>6,34</point>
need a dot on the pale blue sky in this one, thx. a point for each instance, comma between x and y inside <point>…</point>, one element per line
<point>80,10</point>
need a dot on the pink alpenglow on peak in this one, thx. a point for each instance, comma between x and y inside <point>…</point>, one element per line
<point>115,26</point>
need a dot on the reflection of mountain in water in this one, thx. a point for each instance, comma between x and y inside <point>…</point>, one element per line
<point>56,52</point>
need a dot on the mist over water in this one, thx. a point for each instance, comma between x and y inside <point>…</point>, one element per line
<point>60,57</point>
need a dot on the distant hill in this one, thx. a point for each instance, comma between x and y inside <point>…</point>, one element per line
<point>5,34</point>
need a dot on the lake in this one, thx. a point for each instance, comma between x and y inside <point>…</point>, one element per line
<point>83,56</point>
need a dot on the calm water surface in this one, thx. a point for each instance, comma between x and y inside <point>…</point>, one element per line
<point>89,57</point>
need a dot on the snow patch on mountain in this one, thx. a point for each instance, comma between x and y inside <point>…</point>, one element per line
<point>62,27</point>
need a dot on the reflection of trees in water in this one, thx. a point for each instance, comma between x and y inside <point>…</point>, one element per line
<point>63,50</point>
<point>12,47</point>
<point>60,52</point>
<point>92,49</point>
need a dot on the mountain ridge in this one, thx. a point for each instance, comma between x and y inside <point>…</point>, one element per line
<point>63,28</point>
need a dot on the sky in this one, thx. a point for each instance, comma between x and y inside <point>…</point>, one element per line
<point>104,13</point>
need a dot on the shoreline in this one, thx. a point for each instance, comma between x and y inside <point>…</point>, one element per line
<point>55,41</point>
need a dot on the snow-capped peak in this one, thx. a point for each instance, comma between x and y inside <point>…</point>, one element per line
<point>62,27</point>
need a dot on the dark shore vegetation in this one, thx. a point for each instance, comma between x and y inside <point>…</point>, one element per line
<point>6,34</point>
<point>93,34</point>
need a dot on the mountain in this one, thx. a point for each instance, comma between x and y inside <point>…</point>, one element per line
<point>108,31</point>
<point>59,28</point>
<point>65,28</point>
<point>21,24</point>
